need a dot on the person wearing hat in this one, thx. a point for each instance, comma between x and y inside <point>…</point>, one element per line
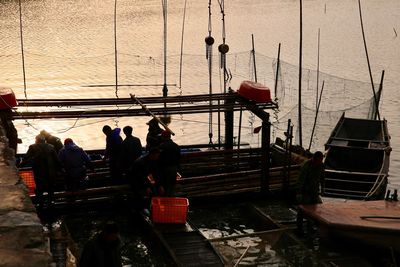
<point>170,156</point>
<point>75,161</point>
<point>153,138</point>
<point>43,159</point>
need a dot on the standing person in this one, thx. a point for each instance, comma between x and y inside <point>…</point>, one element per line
<point>131,149</point>
<point>11,132</point>
<point>112,152</point>
<point>52,140</point>
<point>170,156</point>
<point>75,162</point>
<point>44,161</point>
<point>103,250</point>
<point>310,184</point>
<point>153,138</point>
<point>145,166</point>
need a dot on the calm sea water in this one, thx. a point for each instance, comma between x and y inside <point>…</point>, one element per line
<point>70,44</point>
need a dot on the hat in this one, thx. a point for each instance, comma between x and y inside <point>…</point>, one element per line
<point>166,134</point>
<point>68,141</point>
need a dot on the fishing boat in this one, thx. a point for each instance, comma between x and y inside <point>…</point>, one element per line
<point>357,159</point>
<point>374,223</point>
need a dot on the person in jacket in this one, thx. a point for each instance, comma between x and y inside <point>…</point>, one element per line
<point>131,149</point>
<point>153,138</point>
<point>310,184</point>
<point>43,159</point>
<point>170,155</point>
<point>113,151</point>
<point>75,162</point>
<point>52,140</point>
<point>103,250</point>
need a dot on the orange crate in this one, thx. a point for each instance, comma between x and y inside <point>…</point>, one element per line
<point>169,209</point>
<point>29,180</point>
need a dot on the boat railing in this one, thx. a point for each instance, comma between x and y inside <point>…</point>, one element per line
<point>382,177</point>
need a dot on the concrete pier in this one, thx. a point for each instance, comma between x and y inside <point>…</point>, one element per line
<point>22,240</point>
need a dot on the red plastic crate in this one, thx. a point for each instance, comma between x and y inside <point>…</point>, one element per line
<point>169,209</point>
<point>29,180</point>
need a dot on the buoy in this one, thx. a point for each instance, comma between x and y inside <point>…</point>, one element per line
<point>255,91</point>
<point>209,40</point>
<point>223,48</point>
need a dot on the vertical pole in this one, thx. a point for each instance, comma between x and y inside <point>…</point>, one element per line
<point>277,71</point>
<point>115,48</point>
<point>265,157</point>
<point>254,58</point>
<point>229,102</point>
<point>219,124</point>
<point>300,73</point>
<point>379,94</point>
<point>316,99</point>
<point>165,12</point>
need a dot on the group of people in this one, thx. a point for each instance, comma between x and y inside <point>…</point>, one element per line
<point>48,157</point>
<point>128,161</point>
<point>153,172</point>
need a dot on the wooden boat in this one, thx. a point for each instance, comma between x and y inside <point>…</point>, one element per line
<point>375,223</point>
<point>357,159</point>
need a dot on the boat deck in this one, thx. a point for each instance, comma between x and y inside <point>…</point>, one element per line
<point>186,245</point>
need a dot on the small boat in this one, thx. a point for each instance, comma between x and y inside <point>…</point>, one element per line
<point>375,223</point>
<point>255,91</point>
<point>357,159</point>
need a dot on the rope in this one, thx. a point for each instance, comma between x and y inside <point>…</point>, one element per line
<point>209,52</point>
<point>115,48</point>
<point>181,56</point>
<point>381,179</point>
<point>165,13</point>
<point>22,47</point>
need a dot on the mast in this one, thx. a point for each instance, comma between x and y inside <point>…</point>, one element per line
<point>300,72</point>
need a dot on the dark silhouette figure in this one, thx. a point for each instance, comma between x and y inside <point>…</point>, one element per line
<point>144,167</point>
<point>131,149</point>
<point>52,140</point>
<point>170,156</point>
<point>153,138</point>
<point>43,159</point>
<point>112,152</point>
<point>103,250</point>
<point>75,162</point>
<point>310,184</point>
<point>11,132</point>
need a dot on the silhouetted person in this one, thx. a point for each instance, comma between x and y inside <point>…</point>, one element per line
<point>44,161</point>
<point>11,132</point>
<point>52,140</point>
<point>310,184</point>
<point>113,151</point>
<point>75,162</point>
<point>145,166</point>
<point>170,156</point>
<point>103,250</point>
<point>131,149</point>
<point>153,138</point>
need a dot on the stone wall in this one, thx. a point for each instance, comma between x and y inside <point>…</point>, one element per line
<point>22,240</point>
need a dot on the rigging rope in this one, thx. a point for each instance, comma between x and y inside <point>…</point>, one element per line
<point>165,12</point>
<point>209,42</point>
<point>22,47</point>
<point>223,48</point>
